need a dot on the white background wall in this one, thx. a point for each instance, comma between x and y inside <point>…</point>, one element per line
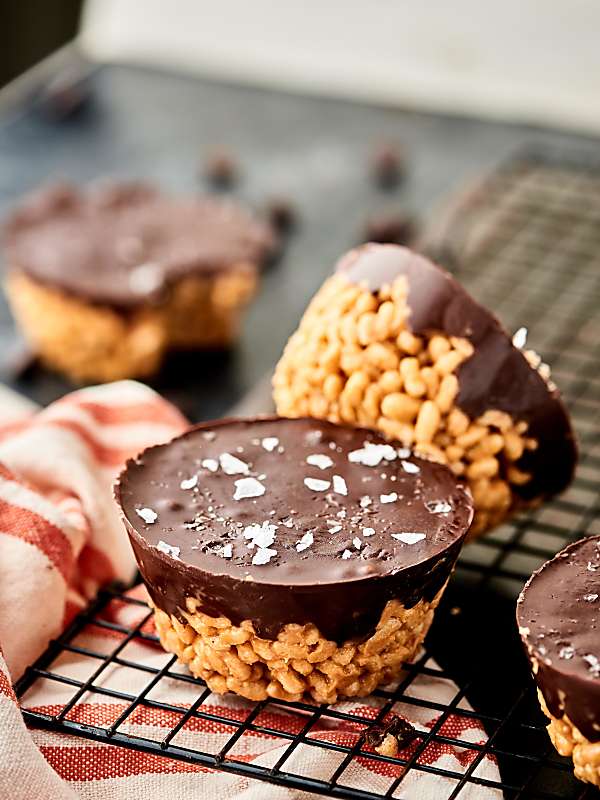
<point>532,60</point>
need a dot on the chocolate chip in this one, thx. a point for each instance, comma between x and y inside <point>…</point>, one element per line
<point>221,168</point>
<point>390,228</point>
<point>281,214</point>
<point>399,728</point>
<point>387,165</point>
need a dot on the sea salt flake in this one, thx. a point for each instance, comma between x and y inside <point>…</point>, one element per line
<point>388,498</point>
<point>403,452</point>
<point>288,523</point>
<point>248,487</point>
<point>593,664</point>
<point>357,542</point>
<point>147,514</point>
<point>260,535</point>
<point>231,465</point>
<point>566,652</point>
<point>347,554</point>
<point>226,551</point>
<point>590,598</point>
<point>592,567</point>
<point>305,542</point>
<point>339,485</point>
<point>371,455</point>
<point>316,485</point>
<point>335,529</point>
<point>168,549</point>
<point>269,443</point>
<point>411,468</point>
<point>408,538</point>
<point>319,460</point>
<point>341,514</point>
<point>189,483</point>
<point>368,531</point>
<point>210,464</point>
<point>438,507</point>
<point>262,556</point>
<point>365,501</point>
<point>520,338</point>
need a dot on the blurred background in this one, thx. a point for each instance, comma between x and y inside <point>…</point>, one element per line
<point>529,60</point>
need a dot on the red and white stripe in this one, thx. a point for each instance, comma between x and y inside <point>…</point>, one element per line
<point>60,539</point>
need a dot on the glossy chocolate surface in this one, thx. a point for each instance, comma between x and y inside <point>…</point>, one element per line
<point>559,619</point>
<point>342,536</point>
<point>124,244</point>
<point>497,376</point>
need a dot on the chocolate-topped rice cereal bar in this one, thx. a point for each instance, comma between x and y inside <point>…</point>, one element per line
<point>394,343</point>
<point>292,558</point>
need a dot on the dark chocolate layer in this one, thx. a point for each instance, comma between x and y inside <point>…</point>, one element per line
<point>124,244</point>
<point>497,376</point>
<point>342,537</point>
<point>558,614</point>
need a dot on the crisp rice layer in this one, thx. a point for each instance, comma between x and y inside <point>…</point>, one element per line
<point>569,741</point>
<point>300,663</point>
<point>353,360</point>
<point>90,343</point>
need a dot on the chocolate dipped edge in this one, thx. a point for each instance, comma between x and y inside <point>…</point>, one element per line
<point>564,693</point>
<point>497,376</point>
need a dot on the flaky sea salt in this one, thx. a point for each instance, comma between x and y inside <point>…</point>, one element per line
<point>371,455</point>
<point>593,664</point>
<point>347,554</point>
<point>262,556</point>
<point>319,460</point>
<point>438,507</point>
<point>316,485</point>
<point>388,498</point>
<point>260,535</point>
<point>231,465</point>
<point>210,464</point>
<point>566,652</point>
<point>590,598</point>
<point>365,501</point>
<point>339,485</point>
<point>147,514</point>
<point>411,468</point>
<point>269,443</point>
<point>189,483</point>
<point>168,549</point>
<point>368,531</point>
<point>248,487</point>
<point>520,338</point>
<point>357,542</point>
<point>408,538</point>
<point>226,551</point>
<point>305,542</point>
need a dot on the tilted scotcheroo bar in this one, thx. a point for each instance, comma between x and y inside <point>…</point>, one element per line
<point>558,614</point>
<point>393,342</point>
<point>292,558</point>
<point>105,281</point>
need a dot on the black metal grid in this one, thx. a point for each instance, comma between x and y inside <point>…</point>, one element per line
<point>529,247</point>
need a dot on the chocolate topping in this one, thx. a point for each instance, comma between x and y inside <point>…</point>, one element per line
<point>124,244</point>
<point>291,520</point>
<point>497,376</point>
<point>558,614</point>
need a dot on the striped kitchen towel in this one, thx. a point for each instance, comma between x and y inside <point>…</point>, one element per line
<point>60,539</point>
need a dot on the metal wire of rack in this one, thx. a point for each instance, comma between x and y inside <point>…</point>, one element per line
<point>528,245</point>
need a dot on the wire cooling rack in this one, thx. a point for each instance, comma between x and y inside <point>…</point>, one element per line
<point>526,243</point>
